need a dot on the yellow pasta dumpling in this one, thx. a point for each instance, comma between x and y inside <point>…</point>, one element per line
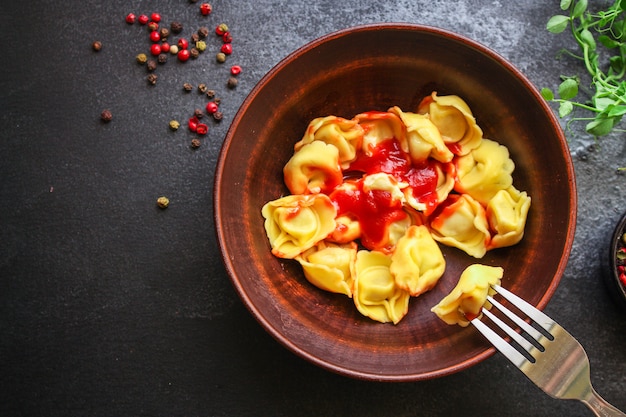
<point>375,292</point>
<point>468,297</point>
<point>417,262</point>
<point>506,214</point>
<point>346,135</point>
<point>427,203</point>
<point>296,223</point>
<point>346,230</point>
<point>462,224</point>
<point>329,266</point>
<point>423,138</point>
<point>484,171</point>
<point>379,127</point>
<point>454,119</point>
<point>314,168</point>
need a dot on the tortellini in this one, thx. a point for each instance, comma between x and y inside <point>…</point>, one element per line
<point>296,223</point>
<point>373,198</point>
<point>417,263</point>
<point>468,297</point>
<point>376,294</point>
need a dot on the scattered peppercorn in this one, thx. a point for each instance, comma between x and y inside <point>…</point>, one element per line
<point>232,82</point>
<point>201,46</point>
<point>164,32</point>
<point>155,49</point>
<point>174,124</point>
<point>218,115</point>
<point>155,17</point>
<point>183,43</point>
<point>183,55</point>
<point>227,48</point>
<point>206,9</point>
<point>97,46</point>
<point>153,26</point>
<point>162,58</point>
<point>163,202</point>
<point>203,32</point>
<point>198,113</point>
<point>195,143</point>
<point>194,37</point>
<point>143,19</point>
<point>151,65</point>
<point>142,58</point>
<point>202,129</point>
<point>227,37</point>
<point>192,123</point>
<point>202,88</point>
<point>220,57</point>
<point>210,93</point>
<point>165,47</point>
<point>187,87</point>
<point>106,115</point>
<point>194,53</point>
<point>235,70</point>
<point>155,36</point>
<point>176,27</point>
<point>217,100</point>
<point>174,49</point>
<point>131,18</point>
<point>221,29</point>
<point>211,107</point>
<point>152,78</point>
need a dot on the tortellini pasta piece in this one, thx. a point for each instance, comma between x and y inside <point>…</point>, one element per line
<point>376,294</point>
<point>314,168</point>
<point>455,121</point>
<point>468,297</point>
<point>428,202</point>
<point>423,138</point>
<point>506,214</point>
<point>346,135</point>
<point>462,224</point>
<point>346,230</point>
<point>417,262</point>
<point>484,171</point>
<point>296,223</point>
<point>329,266</point>
<point>379,127</point>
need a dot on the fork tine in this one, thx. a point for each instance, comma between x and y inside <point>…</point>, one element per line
<point>532,332</point>
<point>537,316</point>
<point>525,344</point>
<point>502,345</point>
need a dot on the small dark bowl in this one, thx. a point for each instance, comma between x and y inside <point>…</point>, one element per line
<point>375,67</point>
<point>611,275</point>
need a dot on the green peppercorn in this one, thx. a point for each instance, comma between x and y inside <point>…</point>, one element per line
<point>163,202</point>
<point>142,58</point>
<point>221,57</point>
<point>174,124</point>
<point>201,46</point>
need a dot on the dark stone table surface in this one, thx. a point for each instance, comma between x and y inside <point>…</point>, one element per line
<point>110,306</point>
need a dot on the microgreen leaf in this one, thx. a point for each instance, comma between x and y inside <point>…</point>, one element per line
<point>579,8</point>
<point>547,94</point>
<point>608,42</point>
<point>617,111</point>
<point>568,89</point>
<point>557,23</point>
<point>565,4</point>
<point>565,108</point>
<point>600,127</point>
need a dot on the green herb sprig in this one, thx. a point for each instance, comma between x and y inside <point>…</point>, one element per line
<point>593,30</point>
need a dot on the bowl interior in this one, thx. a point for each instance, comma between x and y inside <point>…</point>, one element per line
<point>373,68</point>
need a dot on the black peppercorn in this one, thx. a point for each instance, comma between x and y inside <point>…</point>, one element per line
<point>218,115</point>
<point>176,27</point>
<point>195,37</point>
<point>152,78</point>
<point>210,93</point>
<point>202,88</point>
<point>106,116</point>
<point>194,53</point>
<point>217,100</point>
<point>162,58</point>
<point>164,32</point>
<point>203,32</point>
<point>198,113</point>
<point>195,143</point>
<point>151,65</point>
<point>187,87</point>
<point>232,82</point>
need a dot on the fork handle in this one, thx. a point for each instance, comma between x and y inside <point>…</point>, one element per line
<point>600,407</point>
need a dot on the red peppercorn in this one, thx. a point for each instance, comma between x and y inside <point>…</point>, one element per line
<point>183,43</point>
<point>165,47</point>
<point>622,279</point>
<point>206,9</point>
<point>235,70</point>
<point>211,107</point>
<point>131,18</point>
<point>202,129</point>
<point>221,29</point>
<point>155,49</point>
<point>155,36</point>
<point>143,19</point>
<point>193,123</point>
<point>227,37</point>
<point>155,17</point>
<point>152,26</point>
<point>227,48</point>
<point>183,55</point>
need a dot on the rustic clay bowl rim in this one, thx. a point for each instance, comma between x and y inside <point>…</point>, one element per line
<point>230,256</point>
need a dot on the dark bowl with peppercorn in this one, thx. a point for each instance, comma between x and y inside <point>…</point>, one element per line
<point>615,257</point>
<point>375,67</point>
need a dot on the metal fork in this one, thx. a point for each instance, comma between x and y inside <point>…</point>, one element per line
<point>547,354</point>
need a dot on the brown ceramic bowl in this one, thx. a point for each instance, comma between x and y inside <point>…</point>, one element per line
<point>375,67</point>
